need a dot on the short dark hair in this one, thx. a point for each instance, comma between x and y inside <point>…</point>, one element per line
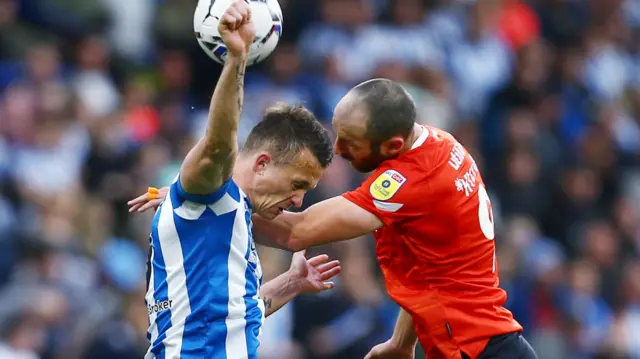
<point>286,130</point>
<point>390,108</point>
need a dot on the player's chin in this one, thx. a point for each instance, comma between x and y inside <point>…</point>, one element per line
<point>271,213</point>
<point>363,168</point>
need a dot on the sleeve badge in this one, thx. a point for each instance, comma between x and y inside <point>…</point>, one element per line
<point>386,185</point>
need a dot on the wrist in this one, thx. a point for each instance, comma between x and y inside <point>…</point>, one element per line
<point>293,283</point>
<point>237,59</point>
<point>401,344</point>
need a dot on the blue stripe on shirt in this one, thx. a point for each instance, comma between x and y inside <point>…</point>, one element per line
<point>160,290</point>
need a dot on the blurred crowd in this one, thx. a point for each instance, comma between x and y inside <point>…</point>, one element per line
<point>99,99</point>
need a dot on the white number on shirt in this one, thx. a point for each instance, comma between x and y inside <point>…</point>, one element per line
<point>485,216</point>
<point>485,213</point>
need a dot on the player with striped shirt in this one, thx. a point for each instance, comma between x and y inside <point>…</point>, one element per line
<point>204,295</point>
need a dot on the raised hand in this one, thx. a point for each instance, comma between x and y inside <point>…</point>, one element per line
<point>312,275</point>
<point>236,28</point>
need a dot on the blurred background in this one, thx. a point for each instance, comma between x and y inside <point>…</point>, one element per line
<point>99,99</point>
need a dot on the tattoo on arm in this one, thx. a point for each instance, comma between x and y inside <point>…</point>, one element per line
<point>240,70</point>
<point>267,303</point>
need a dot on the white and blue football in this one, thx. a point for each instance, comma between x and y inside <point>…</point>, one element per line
<point>265,14</point>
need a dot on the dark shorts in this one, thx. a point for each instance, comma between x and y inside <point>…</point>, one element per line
<point>507,346</point>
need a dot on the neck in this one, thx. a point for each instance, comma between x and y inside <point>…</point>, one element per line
<point>415,133</point>
<point>242,175</point>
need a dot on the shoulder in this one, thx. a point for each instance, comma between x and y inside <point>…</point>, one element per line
<point>410,173</point>
<point>391,192</point>
<point>188,206</point>
<point>398,180</point>
<point>228,189</point>
<point>385,183</point>
<point>413,166</point>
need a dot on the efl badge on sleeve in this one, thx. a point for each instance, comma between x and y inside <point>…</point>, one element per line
<point>386,185</point>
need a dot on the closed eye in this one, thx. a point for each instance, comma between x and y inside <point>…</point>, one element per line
<point>300,185</point>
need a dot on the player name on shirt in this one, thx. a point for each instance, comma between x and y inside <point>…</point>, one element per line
<point>469,180</point>
<point>457,155</point>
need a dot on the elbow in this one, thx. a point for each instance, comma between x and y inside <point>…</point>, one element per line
<point>301,235</point>
<point>297,241</point>
<point>295,245</point>
<point>287,244</point>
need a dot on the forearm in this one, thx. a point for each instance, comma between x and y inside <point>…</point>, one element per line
<point>330,221</point>
<point>404,334</point>
<point>275,233</point>
<point>289,231</point>
<point>278,292</point>
<point>226,105</point>
<point>210,163</point>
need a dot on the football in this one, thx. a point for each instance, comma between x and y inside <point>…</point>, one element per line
<point>265,14</point>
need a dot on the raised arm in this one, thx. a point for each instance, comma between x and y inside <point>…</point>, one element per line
<point>210,163</point>
<point>332,220</point>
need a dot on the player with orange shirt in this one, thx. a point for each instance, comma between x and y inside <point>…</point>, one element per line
<point>430,213</point>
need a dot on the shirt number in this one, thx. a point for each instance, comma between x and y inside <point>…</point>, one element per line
<point>485,213</point>
<point>485,216</point>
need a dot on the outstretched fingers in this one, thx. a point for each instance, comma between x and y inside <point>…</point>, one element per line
<point>150,205</point>
<point>329,270</point>
<point>318,260</point>
<point>328,285</point>
<point>138,201</point>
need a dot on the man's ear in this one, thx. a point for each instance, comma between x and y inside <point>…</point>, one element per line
<point>262,160</point>
<point>392,147</point>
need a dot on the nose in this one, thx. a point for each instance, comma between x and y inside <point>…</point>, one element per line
<point>297,199</point>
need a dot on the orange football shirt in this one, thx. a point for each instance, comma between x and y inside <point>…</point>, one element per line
<point>436,249</point>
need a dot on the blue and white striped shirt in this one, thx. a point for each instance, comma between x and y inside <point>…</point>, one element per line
<point>203,277</point>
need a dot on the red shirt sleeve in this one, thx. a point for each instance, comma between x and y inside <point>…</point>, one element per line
<point>392,193</point>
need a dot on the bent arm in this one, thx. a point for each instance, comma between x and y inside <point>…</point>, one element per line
<point>210,163</point>
<point>332,220</point>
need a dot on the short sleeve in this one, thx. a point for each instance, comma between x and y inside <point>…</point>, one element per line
<point>210,198</point>
<point>390,194</point>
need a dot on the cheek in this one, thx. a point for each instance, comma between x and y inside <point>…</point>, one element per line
<point>349,154</point>
<point>343,150</point>
<point>274,184</point>
<point>361,156</point>
<point>264,185</point>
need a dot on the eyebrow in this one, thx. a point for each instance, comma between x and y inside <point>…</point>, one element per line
<point>345,137</point>
<point>303,184</point>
